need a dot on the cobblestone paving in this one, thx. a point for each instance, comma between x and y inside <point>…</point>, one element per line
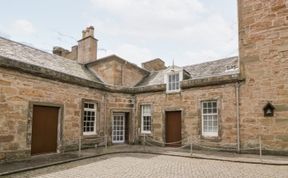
<point>146,165</point>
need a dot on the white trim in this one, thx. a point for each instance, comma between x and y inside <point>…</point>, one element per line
<point>170,72</point>
<point>209,134</point>
<point>142,119</point>
<point>95,118</point>
<point>120,115</point>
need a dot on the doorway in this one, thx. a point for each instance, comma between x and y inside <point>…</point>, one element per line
<point>44,129</point>
<point>118,128</point>
<point>173,128</point>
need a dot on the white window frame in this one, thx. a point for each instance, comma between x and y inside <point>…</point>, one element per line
<point>142,119</point>
<point>209,133</point>
<point>95,118</point>
<point>115,132</point>
<point>180,77</point>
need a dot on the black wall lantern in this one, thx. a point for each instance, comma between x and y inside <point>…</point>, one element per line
<point>268,110</point>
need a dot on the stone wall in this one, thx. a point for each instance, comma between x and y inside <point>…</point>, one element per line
<point>263,30</point>
<point>154,65</point>
<point>114,71</point>
<point>189,102</point>
<point>120,103</point>
<point>18,90</point>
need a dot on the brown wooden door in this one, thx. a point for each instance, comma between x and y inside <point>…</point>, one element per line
<point>173,128</point>
<point>44,129</point>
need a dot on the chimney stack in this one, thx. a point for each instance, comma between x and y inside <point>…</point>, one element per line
<point>87,46</point>
<point>154,65</point>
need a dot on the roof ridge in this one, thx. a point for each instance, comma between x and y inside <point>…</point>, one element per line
<point>118,57</point>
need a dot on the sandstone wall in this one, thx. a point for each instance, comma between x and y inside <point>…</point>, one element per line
<point>263,30</point>
<point>120,103</point>
<point>117,72</point>
<point>189,102</point>
<point>17,90</point>
<point>154,65</point>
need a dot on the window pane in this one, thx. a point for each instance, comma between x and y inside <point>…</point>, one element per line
<point>177,77</point>
<point>170,86</point>
<point>209,104</point>
<point>173,86</point>
<point>177,86</point>
<point>146,110</point>
<point>173,82</point>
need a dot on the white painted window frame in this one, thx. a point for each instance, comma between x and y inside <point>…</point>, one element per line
<point>205,133</point>
<point>142,119</point>
<point>170,73</point>
<point>95,118</point>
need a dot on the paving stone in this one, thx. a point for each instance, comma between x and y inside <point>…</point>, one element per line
<point>148,165</point>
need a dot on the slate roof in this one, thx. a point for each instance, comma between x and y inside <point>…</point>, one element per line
<point>221,67</point>
<point>18,52</point>
<point>29,55</point>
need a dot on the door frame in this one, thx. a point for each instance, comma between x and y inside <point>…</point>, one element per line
<point>59,127</point>
<point>164,120</point>
<point>131,129</point>
<point>124,124</point>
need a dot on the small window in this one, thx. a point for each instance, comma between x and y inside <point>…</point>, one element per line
<point>146,119</point>
<point>173,83</point>
<point>89,119</point>
<point>209,118</point>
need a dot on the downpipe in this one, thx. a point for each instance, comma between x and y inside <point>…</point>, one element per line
<point>237,88</point>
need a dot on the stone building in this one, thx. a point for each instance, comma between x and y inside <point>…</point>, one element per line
<point>50,101</point>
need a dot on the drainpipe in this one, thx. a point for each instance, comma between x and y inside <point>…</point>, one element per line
<point>135,127</point>
<point>105,119</point>
<point>237,87</point>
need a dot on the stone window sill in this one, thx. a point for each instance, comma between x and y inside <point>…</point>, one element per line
<point>211,138</point>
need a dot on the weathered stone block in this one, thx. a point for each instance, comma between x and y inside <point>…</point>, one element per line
<point>282,107</point>
<point>6,138</point>
<point>5,83</point>
<point>283,138</point>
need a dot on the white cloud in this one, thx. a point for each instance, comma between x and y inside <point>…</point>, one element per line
<point>129,7</point>
<point>184,29</point>
<point>22,27</point>
<point>130,52</point>
<point>205,55</point>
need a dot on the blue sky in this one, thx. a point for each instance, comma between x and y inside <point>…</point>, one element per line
<point>186,31</point>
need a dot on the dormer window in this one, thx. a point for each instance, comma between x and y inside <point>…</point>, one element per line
<point>173,77</point>
<point>173,82</point>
